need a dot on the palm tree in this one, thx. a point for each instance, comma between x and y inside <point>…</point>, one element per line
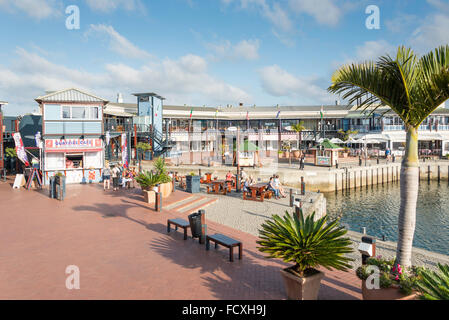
<point>413,87</point>
<point>299,128</point>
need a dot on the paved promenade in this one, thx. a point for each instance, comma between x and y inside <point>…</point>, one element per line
<point>124,252</point>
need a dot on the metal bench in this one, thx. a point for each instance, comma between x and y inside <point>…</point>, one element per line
<point>226,242</point>
<point>181,223</point>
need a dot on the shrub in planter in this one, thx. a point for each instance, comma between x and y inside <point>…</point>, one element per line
<point>394,283</point>
<point>434,285</point>
<point>308,244</point>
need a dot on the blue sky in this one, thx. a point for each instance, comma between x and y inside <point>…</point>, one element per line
<point>202,52</point>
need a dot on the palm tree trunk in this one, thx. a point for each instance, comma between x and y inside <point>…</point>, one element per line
<point>409,197</point>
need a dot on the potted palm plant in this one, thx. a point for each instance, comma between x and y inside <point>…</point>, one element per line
<point>147,181</point>
<point>309,244</point>
<point>145,149</point>
<point>298,128</point>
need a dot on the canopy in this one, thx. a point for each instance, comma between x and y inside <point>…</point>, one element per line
<point>337,140</point>
<point>328,145</point>
<point>247,146</point>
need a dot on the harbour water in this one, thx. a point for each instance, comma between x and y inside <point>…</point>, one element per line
<point>377,208</point>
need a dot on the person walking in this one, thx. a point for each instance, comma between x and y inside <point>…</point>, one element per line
<point>301,162</point>
<point>106,177</point>
<point>115,177</point>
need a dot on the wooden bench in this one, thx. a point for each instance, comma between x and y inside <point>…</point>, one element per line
<point>225,241</point>
<point>181,223</point>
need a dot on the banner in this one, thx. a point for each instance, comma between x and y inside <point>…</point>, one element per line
<point>20,150</point>
<point>124,151</point>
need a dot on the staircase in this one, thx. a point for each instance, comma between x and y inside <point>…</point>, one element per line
<point>162,144</point>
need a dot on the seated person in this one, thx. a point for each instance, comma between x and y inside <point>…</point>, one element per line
<point>277,184</point>
<point>246,186</point>
<point>126,179</point>
<point>272,188</point>
<point>229,176</point>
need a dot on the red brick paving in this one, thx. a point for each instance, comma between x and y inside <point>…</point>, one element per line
<point>124,252</point>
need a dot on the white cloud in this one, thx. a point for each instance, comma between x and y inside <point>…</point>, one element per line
<point>273,13</point>
<point>245,49</point>
<point>432,33</point>
<point>325,12</point>
<point>111,5</point>
<point>278,82</point>
<point>182,81</point>
<point>372,50</point>
<point>38,9</point>
<point>118,43</point>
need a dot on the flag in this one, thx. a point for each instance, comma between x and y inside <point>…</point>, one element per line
<point>216,113</point>
<point>247,115</point>
<point>124,151</point>
<point>20,150</point>
<point>191,112</point>
<point>278,114</point>
<point>322,113</point>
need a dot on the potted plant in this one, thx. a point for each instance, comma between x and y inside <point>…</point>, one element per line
<point>296,153</point>
<point>434,285</point>
<point>147,181</point>
<point>11,156</point>
<point>395,283</point>
<point>309,244</point>
<point>286,147</point>
<point>145,149</point>
<point>193,183</point>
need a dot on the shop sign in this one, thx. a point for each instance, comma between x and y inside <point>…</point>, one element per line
<point>72,144</point>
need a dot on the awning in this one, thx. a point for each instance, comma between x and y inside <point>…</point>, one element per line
<point>119,114</point>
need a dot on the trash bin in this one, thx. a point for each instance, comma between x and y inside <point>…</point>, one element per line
<point>60,187</point>
<point>52,188</point>
<point>195,224</point>
<point>193,184</point>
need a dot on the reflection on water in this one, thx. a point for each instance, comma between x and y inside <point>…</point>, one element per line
<point>377,209</point>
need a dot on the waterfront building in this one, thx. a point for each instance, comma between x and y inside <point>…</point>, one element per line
<point>72,135</point>
<point>197,130</point>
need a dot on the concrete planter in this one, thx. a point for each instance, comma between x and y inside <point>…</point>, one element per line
<point>150,196</point>
<point>165,188</point>
<point>302,288</point>
<point>391,293</point>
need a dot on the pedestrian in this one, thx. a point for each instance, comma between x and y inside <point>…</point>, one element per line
<point>301,162</point>
<point>106,177</point>
<point>115,172</point>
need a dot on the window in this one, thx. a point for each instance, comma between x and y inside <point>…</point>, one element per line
<point>66,112</point>
<point>78,112</point>
<point>94,114</point>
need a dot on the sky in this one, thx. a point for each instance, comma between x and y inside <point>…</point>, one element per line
<point>202,52</point>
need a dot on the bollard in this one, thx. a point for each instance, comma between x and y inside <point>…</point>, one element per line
<point>367,248</point>
<point>303,186</point>
<point>439,177</point>
<point>428,174</point>
<point>291,198</point>
<point>360,161</point>
<point>158,203</point>
<point>203,226</point>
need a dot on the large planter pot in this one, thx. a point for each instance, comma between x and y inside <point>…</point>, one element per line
<point>166,189</point>
<point>286,154</point>
<point>150,196</point>
<point>306,288</point>
<point>296,153</point>
<point>392,293</point>
<point>193,184</point>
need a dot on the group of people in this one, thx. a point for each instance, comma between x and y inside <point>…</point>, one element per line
<point>273,185</point>
<point>120,176</point>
